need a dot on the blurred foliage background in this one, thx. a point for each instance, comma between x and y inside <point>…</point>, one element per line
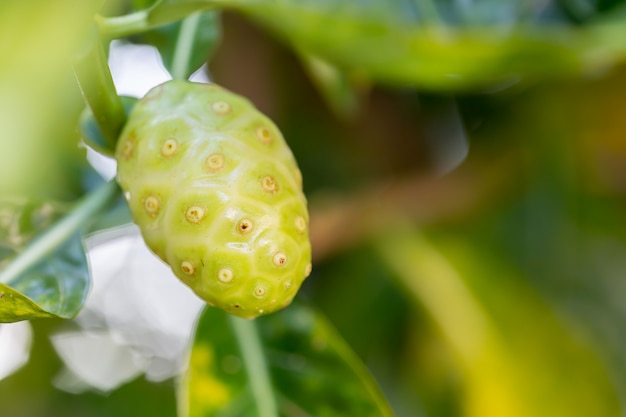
<point>465,164</point>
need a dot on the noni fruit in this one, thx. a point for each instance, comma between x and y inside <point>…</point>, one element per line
<point>217,195</point>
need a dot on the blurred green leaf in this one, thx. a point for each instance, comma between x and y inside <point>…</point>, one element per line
<point>39,103</point>
<point>422,43</point>
<point>57,285</point>
<point>387,47</point>
<point>516,356</point>
<point>142,4</point>
<point>442,46</point>
<point>313,371</point>
<point>336,87</point>
<point>185,45</point>
<point>565,229</point>
<point>167,11</point>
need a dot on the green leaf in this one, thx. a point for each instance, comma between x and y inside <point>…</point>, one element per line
<point>161,12</point>
<point>166,11</point>
<point>44,268</point>
<point>460,49</point>
<point>20,221</point>
<point>421,43</point>
<point>312,371</point>
<point>185,45</point>
<point>56,286</point>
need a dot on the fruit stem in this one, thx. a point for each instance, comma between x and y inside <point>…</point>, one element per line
<point>184,46</point>
<point>44,244</point>
<point>249,341</point>
<point>95,81</point>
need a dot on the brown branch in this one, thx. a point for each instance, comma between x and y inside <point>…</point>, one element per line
<point>339,222</point>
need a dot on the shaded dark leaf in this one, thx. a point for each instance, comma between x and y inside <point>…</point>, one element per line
<point>57,285</point>
<point>313,371</point>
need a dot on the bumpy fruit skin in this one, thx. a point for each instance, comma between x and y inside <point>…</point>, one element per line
<point>217,195</point>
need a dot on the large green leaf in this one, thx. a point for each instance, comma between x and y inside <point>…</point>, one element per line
<point>431,44</point>
<point>413,12</point>
<point>378,43</point>
<point>312,371</point>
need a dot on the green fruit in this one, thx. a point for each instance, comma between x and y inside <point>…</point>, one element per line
<point>217,195</point>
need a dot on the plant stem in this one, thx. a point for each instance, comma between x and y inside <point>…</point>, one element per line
<point>95,81</point>
<point>184,46</point>
<point>158,15</point>
<point>61,231</point>
<point>120,26</point>
<point>252,352</point>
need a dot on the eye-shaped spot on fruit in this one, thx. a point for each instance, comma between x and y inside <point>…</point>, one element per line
<point>259,291</point>
<point>279,259</point>
<point>152,205</point>
<point>127,148</point>
<point>245,226</point>
<point>169,147</point>
<point>195,214</point>
<point>225,275</point>
<point>269,184</point>
<point>221,108</point>
<point>214,162</point>
<point>300,224</point>
<point>264,135</point>
<point>187,268</point>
